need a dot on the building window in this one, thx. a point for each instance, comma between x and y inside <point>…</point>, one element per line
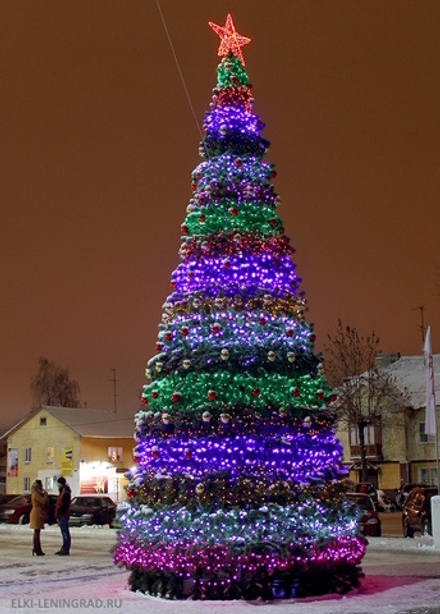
<point>428,475</point>
<point>370,435</point>
<point>26,483</point>
<point>27,455</point>
<point>424,438</point>
<point>115,455</point>
<point>49,454</point>
<point>43,421</point>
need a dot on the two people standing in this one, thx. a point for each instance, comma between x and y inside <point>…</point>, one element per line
<point>38,515</point>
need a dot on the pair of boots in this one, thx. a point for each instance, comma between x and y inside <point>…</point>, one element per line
<point>62,552</point>
<point>37,551</point>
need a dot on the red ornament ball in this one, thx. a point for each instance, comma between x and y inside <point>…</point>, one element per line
<point>168,336</point>
<point>289,332</point>
<point>238,162</point>
<point>233,211</point>
<point>183,229</point>
<point>159,346</point>
<point>295,392</point>
<point>202,217</point>
<point>262,320</point>
<point>154,394</point>
<point>175,397</point>
<point>312,337</point>
<point>211,395</point>
<point>184,330</point>
<point>255,392</point>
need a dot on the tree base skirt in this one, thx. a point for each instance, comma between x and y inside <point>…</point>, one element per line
<point>313,581</point>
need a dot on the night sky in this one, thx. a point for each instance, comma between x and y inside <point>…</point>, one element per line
<point>98,143</point>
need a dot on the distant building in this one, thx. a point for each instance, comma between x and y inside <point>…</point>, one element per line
<point>92,449</point>
<point>398,450</point>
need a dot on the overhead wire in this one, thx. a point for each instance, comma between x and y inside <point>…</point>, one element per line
<point>179,69</point>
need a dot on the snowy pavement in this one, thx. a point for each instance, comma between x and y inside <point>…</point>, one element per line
<point>402,576</point>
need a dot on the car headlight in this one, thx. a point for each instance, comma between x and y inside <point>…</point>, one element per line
<point>8,512</point>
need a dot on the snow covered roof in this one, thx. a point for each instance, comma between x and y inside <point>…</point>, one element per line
<point>94,422</point>
<point>87,422</point>
<point>409,374</point>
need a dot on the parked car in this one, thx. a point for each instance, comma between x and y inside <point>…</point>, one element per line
<point>367,488</point>
<point>4,498</point>
<point>92,509</point>
<point>416,512</point>
<point>369,522</point>
<point>18,509</point>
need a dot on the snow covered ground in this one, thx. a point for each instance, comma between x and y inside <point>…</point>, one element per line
<point>402,576</point>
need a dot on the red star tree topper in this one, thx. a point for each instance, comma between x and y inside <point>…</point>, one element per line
<point>230,40</point>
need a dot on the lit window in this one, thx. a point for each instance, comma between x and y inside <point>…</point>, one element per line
<point>49,454</point>
<point>115,455</point>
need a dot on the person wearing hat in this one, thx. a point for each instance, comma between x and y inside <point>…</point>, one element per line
<point>62,514</point>
<point>38,514</point>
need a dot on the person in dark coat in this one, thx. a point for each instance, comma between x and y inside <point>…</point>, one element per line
<point>38,514</point>
<point>62,514</point>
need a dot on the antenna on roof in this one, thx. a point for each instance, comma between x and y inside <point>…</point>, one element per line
<point>114,380</point>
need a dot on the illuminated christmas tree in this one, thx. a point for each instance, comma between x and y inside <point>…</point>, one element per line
<point>236,492</point>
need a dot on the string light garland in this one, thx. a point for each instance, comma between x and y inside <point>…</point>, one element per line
<point>237,486</point>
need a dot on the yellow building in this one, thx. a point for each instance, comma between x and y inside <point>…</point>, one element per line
<point>397,448</point>
<point>92,449</point>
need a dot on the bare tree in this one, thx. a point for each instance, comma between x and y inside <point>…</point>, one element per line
<point>360,387</point>
<point>53,386</point>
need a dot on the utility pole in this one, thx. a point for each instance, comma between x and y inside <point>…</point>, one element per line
<point>114,380</point>
<point>422,322</point>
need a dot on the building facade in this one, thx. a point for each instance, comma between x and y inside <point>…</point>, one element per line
<point>398,450</point>
<point>92,449</point>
